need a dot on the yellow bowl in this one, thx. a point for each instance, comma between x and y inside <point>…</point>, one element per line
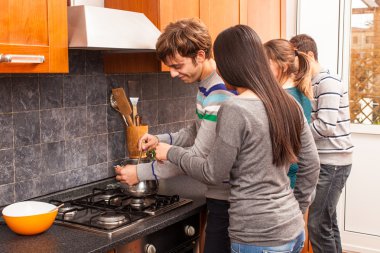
<point>29,217</point>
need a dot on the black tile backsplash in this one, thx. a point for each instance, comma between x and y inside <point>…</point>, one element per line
<point>6,131</point>
<point>28,162</point>
<point>25,94</point>
<point>51,92</point>
<point>6,166</point>
<point>52,125</point>
<point>59,131</point>
<point>5,94</point>
<point>74,90</point>
<point>26,127</point>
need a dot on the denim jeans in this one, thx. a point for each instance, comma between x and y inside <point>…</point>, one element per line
<point>294,246</point>
<point>322,223</point>
<point>217,239</point>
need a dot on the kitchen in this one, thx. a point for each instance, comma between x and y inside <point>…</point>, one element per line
<point>63,127</point>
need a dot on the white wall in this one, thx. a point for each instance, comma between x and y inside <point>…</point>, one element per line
<point>320,20</point>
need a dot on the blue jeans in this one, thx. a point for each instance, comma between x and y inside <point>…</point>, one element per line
<point>294,246</point>
<point>322,224</point>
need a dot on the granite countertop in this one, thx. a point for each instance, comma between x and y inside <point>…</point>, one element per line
<point>60,238</point>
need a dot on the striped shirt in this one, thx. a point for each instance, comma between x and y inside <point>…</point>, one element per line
<point>198,137</point>
<point>331,119</point>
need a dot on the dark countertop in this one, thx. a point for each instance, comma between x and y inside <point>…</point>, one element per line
<point>60,238</point>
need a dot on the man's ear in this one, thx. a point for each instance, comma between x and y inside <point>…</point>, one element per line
<point>201,56</point>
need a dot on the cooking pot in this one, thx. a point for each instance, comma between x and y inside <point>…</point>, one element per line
<point>143,188</point>
<point>29,217</point>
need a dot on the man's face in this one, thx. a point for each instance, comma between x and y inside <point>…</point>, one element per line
<point>184,68</point>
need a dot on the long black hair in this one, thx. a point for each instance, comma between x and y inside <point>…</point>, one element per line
<point>242,62</point>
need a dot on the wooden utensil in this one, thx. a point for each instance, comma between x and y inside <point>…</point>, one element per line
<point>123,104</point>
<point>114,106</point>
<point>56,208</point>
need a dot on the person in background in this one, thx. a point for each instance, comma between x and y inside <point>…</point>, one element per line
<point>331,130</point>
<point>259,133</point>
<point>186,48</point>
<point>292,70</point>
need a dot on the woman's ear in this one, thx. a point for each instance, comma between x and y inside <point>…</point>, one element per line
<point>311,55</point>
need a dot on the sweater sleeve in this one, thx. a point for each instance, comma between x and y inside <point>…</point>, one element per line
<point>216,167</point>
<point>308,169</point>
<point>183,138</point>
<point>157,170</point>
<point>328,101</point>
<point>211,170</point>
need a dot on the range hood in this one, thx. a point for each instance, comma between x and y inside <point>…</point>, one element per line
<point>100,28</point>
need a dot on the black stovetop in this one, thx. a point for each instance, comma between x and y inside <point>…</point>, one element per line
<point>110,210</point>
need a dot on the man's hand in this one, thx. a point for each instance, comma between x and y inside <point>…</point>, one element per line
<point>162,150</point>
<point>148,142</point>
<point>127,174</point>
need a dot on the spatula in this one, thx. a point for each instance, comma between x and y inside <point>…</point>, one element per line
<point>123,104</point>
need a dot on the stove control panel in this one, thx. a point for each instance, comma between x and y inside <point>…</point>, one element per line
<point>189,230</point>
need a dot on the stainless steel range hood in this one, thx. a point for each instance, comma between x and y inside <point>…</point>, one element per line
<point>99,28</point>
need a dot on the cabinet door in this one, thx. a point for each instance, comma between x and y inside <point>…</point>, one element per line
<point>219,15</point>
<point>37,27</point>
<point>173,10</point>
<point>267,18</point>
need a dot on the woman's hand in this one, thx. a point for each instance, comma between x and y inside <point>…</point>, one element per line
<point>127,174</point>
<point>162,150</point>
<point>148,142</point>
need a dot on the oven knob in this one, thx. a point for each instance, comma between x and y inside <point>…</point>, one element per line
<point>149,248</point>
<point>189,230</point>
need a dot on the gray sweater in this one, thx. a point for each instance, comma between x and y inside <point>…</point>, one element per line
<point>198,138</point>
<point>264,210</point>
<point>331,119</point>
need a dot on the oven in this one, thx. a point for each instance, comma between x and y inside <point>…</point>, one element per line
<point>180,237</point>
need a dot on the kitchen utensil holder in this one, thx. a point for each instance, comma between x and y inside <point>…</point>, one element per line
<point>133,135</point>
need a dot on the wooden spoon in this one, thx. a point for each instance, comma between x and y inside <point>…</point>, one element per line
<point>56,208</point>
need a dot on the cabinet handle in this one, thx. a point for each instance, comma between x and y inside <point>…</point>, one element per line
<point>21,58</point>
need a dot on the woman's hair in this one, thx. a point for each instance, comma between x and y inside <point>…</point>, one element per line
<point>185,37</point>
<point>241,61</point>
<point>291,63</point>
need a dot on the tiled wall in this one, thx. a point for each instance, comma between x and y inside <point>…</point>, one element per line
<point>59,131</point>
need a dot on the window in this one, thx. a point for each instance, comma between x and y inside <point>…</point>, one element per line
<point>365,62</point>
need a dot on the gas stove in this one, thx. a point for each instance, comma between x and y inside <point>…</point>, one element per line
<point>111,211</point>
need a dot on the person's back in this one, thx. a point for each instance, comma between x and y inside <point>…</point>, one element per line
<point>261,195</point>
<point>292,70</point>
<point>330,127</point>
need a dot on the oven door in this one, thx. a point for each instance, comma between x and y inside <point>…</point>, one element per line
<point>181,237</point>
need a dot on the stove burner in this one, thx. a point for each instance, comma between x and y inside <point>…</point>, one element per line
<point>106,195</point>
<point>110,218</point>
<point>67,213</point>
<point>138,203</point>
<point>109,196</point>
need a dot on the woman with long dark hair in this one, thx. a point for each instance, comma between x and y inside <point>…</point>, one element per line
<point>260,133</point>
